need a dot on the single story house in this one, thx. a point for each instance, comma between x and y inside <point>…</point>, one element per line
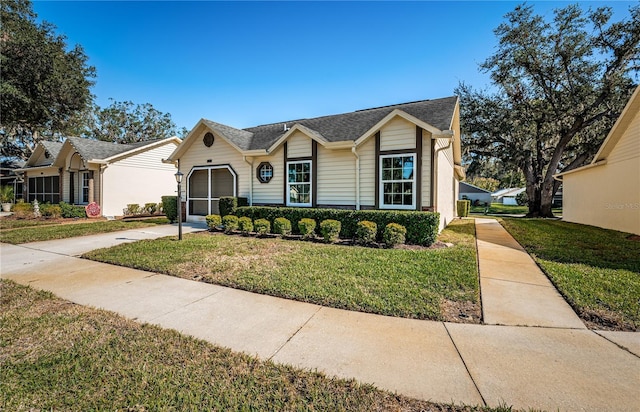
<point>468,191</point>
<point>9,177</point>
<point>81,171</point>
<point>507,196</point>
<point>405,156</point>
<point>606,192</point>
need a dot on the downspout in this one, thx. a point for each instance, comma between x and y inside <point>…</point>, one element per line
<point>448,136</point>
<point>250,179</point>
<point>355,153</point>
<point>101,195</point>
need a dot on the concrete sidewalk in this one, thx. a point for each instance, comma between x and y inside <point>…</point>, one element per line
<point>545,368</point>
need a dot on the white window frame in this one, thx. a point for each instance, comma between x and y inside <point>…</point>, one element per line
<point>310,183</point>
<point>381,183</point>
<point>83,187</point>
<point>208,199</point>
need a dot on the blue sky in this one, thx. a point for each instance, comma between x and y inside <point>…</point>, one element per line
<point>251,63</point>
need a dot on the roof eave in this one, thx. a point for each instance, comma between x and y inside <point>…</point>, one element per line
<point>396,112</point>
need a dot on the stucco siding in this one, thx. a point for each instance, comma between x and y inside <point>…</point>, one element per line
<point>446,185</point>
<point>367,153</point>
<point>426,169</point>
<point>628,147</point>
<point>398,134</point>
<point>298,145</point>
<point>137,179</point>
<point>607,196</point>
<point>272,192</point>
<point>336,177</point>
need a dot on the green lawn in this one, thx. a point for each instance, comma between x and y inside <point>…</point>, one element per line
<point>55,355</point>
<point>500,209</point>
<point>407,283</point>
<point>63,231</point>
<point>7,224</point>
<point>596,270</point>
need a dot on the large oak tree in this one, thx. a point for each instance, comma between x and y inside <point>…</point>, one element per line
<point>558,87</point>
<point>44,84</point>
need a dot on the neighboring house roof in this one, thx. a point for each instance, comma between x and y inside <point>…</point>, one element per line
<point>615,134</point>
<point>469,188</point>
<point>513,191</point>
<point>90,150</point>
<point>346,127</point>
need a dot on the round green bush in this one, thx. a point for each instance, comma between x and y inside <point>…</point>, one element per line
<point>281,226</point>
<point>366,232</point>
<point>522,199</point>
<point>394,234</point>
<point>213,221</point>
<point>245,225</point>
<point>307,227</point>
<point>330,230</point>
<point>230,223</point>
<point>262,226</point>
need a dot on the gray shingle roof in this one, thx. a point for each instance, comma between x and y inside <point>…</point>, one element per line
<point>341,127</point>
<point>53,148</point>
<point>94,149</point>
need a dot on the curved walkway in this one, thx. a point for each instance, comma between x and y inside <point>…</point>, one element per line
<point>563,367</point>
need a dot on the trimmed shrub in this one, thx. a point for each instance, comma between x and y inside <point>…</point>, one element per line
<point>522,199</point>
<point>150,208</point>
<point>366,232</point>
<point>245,225</point>
<point>71,211</point>
<point>262,226</point>
<point>230,223</point>
<point>228,204</point>
<point>159,208</point>
<point>330,230</point>
<point>394,234</point>
<point>213,221</point>
<point>463,206</point>
<point>307,227</point>
<point>281,226</point>
<point>134,209</point>
<point>422,227</point>
<point>170,207</point>
<point>48,210</point>
<point>23,210</point>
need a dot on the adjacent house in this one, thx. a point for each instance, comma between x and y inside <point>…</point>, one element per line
<point>606,192</point>
<point>81,171</point>
<point>507,196</point>
<point>475,194</point>
<point>404,156</point>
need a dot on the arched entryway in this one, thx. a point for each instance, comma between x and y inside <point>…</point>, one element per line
<point>206,185</point>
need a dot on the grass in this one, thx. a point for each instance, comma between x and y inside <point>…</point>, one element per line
<point>500,209</point>
<point>8,224</point>
<point>63,231</point>
<point>596,270</point>
<point>55,355</point>
<point>420,284</point>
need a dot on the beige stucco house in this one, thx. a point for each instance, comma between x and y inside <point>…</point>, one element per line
<point>81,171</point>
<point>406,156</point>
<point>606,193</point>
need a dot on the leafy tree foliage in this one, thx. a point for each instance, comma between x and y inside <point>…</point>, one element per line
<point>126,122</point>
<point>485,183</point>
<point>560,85</point>
<point>45,87</point>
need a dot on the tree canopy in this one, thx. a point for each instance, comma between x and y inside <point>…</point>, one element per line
<point>45,86</point>
<point>126,122</point>
<point>558,87</point>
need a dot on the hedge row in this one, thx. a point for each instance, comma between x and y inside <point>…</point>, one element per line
<point>422,227</point>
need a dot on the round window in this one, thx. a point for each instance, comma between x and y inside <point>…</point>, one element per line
<point>208,139</point>
<point>264,172</point>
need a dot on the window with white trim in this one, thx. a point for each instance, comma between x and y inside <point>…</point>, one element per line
<point>85,187</point>
<point>398,181</point>
<point>265,172</point>
<point>299,183</point>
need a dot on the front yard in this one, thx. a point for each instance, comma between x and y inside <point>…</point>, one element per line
<point>55,355</point>
<point>436,284</point>
<point>596,270</point>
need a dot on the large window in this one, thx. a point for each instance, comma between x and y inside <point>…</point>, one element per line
<point>205,187</point>
<point>46,189</point>
<point>299,183</point>
<point>397,181</point>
